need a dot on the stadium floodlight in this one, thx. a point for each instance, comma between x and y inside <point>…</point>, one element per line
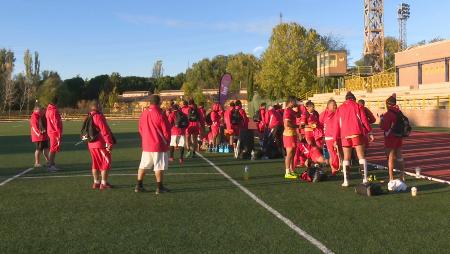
<point>403,14</point>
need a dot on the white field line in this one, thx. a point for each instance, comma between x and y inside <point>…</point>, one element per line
<point>88,175</point>
<point>274,212</point>
<point>16,176</point>
<point>416,176</point>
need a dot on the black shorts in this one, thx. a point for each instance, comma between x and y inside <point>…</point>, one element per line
<point>41,145</point>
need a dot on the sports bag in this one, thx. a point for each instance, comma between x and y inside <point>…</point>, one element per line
<point>235,117</point>
<point>181,120</point>
<point>89,131</point>
<point>402,127</point>
<point>193,115</point>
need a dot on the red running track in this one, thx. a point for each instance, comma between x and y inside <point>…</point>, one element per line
<point>428,150</point>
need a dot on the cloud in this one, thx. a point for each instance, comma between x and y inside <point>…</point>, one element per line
<point>258,27</point>
<point>258,50</point>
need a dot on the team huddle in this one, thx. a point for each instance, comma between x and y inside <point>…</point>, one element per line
<point>296,131</point>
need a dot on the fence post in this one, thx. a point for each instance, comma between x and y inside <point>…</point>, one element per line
<point>448,106</point>
<point>437,102</point>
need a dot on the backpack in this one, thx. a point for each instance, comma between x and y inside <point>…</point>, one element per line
<point>402,127</point>
<point>257,116</point>
<point>235,117</point>
<point>42,124</point>
<point>208,119</point>
<point>181,120</point>
<point>89,131</point>
<point>193,115</point>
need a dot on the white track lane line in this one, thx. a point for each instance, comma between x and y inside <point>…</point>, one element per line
<point>277,214</point>
<point>16,176</point>
<point>87,175</point>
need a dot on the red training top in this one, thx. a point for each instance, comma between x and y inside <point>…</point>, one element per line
<point>154,129</point>
<point>54,122</point>
<point>36,135</point>
<point>105,135</point>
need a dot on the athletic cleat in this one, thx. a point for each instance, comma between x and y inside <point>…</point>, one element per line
<point>345,184</point>
<point>139,189</point>
<point>95,186</point>
<point>161,190</point>
<point>171,159</point>
<point>37,166</point>
<point>105,186</point>
<point>181,161</point>
<point>52,169</point>
<point>290,176</point>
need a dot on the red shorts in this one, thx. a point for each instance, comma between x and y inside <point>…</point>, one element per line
<point>55,143</point>
<point>101,159</point>
<point>193,130</point>
<point>393,142</point>
<point>353,142</point>
<point>289,141</point>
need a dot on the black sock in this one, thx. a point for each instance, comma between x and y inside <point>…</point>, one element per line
<point>181,152</point>
<point>172,150</point>
<point>159,184</point>
<point>140,183</point>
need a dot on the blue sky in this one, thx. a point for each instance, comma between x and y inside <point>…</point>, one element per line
<point>89,38</point>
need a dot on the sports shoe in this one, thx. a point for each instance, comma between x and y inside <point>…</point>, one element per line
<point>105,186</point>
<point>344,184</point>
<point>37,166</point>
<point>171,159</point>
<point>139,189</point>
<point>181,161</point>
<point>161,190</point>
<point>95,186</point>
<point>290,176</point>
<point>188,154</point>
<point>52,169</point>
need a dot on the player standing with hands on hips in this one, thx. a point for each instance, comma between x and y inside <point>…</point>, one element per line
<point>154,129</point>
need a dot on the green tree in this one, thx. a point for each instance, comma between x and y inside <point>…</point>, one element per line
<point>242,68</point>
<point>51,88</point>
<point>75,87</point>
<point>391,46</point>
<point>7,86</point>
<point>157,71</point>
<point>288,66</point>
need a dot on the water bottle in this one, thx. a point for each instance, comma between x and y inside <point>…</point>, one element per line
<point>246,173</point>
<point>220,148</point>
<point>226,149</point>
<point>253,155</point>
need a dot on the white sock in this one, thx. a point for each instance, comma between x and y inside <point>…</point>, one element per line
<point>345,164</point>
<point>97,181</point>
<point>363,162</point>
<point>103,182</point>
<point>288,171</point>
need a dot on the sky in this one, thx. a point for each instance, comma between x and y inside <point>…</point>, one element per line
<point>93,37</point>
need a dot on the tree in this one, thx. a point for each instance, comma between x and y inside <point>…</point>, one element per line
<point>391,46</point>
<point>158,70</point>
<point>75,87</point>
<point>50,89</point>
<point>288,66</point>
<point>7,86</point>
<point>32,77</point>
<point>332,42</point>
<point>242,68</point>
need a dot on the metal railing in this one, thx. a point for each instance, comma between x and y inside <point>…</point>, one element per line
<point>380,80</point>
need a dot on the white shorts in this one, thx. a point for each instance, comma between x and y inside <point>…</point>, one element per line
<point>177,140</point>
<point>156,160</point>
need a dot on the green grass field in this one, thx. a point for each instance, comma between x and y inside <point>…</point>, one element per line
<point>44,212</point>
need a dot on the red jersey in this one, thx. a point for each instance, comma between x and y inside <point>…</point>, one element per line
<point>36,135</point>
<point>105,135</point>
<point>172,121</point>
<point>388,120</point>
<point>289,115</point>
<point>352,120</point>
<point>154,129</point>
<point>54,122</point>
<point>328,122</point>
<point>370,117</point>
<point>273,118</point>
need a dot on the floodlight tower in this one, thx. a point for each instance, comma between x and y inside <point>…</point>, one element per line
<point>403,15</point>
<point>374,34</point>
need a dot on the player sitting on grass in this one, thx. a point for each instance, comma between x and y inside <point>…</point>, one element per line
<point>39,136</point>
<point>54,132</point>
<point>100,147</point>
<point>290,137</point>
<point>393,139</point>
<point>353,125</point>
<point>178,122</point>
<point>154,129</point>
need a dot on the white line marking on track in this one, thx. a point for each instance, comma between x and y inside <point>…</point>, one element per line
<point>16,176</point>
<point>277,214</point>
<point>87,175</point>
